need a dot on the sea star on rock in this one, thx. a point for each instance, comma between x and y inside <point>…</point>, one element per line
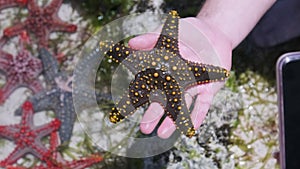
<point>27,137</point>
<point>41,21</point>
<point>56,161</point>
<point>20,71</point>
<point>59,98</point>
<point>11,3</point>
<point>161,75</point>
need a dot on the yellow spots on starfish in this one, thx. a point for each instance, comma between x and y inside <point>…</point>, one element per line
<point>114,116</point>
<point>227,74</point>
<point>168,78</point>
<point>166,57</point>
<point>127,52</point>
<point>153,63</point>
<point>179,107</point>
<point>117,49</point>
<point>191,132</point>
<point>196,69</point>
<point>173,13</point>
<point>155,74</point>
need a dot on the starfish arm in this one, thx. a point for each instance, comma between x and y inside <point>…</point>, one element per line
<point>3,41</point>
<point>50,65</point>
<point>168,39</point>
<point>61,26</point>
<point>38,150</point>
<point>48,128</point>
<point>53,7</point>
<point>84,162</point>
<point>11,3</point>
<point>204,74</point>
<point>35,86</point>
<point>66,114</point>
<point>14,30</point>
<point>5,60</point>
<point>27,117</point>
<point>43,101</point>
<point>9,87</point>
<point>13,156</point>
<point>117,52</point>
<point>32,5</point>
<point>43,39</point>
<point>8,132</point>
<point>123,109</point>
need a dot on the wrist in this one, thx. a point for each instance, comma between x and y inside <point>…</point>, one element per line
<point>234,18</point>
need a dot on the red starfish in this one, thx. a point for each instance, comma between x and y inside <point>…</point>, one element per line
<point>41,21</point>
<point>22,70</point>
<point>27,137</point>
<point>55,160</point>
<point>10,3</point>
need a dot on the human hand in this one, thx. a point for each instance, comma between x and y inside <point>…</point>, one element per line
<point>198,42</point>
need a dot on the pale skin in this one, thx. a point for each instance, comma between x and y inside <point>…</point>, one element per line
<point>223,24</point>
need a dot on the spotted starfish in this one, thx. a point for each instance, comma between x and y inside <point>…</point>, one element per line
<point>27,137</point>
<point>41,21</point>
<point>161,75</point>
<point>59,97</point>
<point>56,161</point>
<point>20,71</point>
<point>11,3</point>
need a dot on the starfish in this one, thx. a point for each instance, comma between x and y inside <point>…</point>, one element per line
<point>163,73</point>
<point>41,22</point>
<point>56,161</point>
<point>59,98</point>
<point>20,71</point>
<point>27,137</point>
<point>11,3</point>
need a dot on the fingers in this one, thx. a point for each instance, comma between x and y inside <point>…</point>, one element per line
<point>205,95</point>
<point>200,109</point>
<point>145,42</point>
<point>151,118</point>
<point>166,129</point>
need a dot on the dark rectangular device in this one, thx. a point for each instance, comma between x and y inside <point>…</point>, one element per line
<point>288,88</point>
